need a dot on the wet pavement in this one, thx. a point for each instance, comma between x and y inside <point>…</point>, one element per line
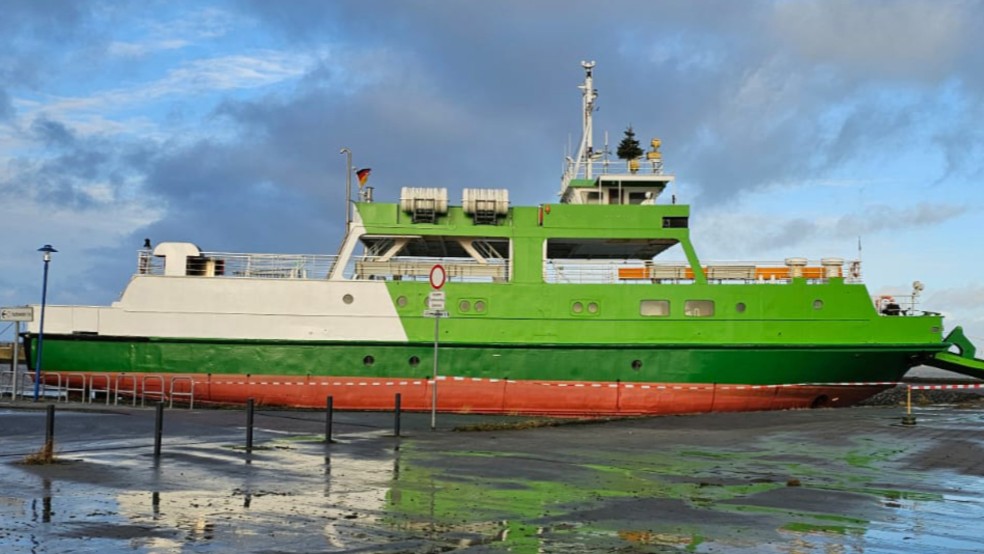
<point>847,480</point>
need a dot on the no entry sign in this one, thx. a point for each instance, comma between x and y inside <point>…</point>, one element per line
<point>438,276</point>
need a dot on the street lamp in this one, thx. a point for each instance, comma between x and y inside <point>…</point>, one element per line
<point>48,250</point>
<point>348,185</point>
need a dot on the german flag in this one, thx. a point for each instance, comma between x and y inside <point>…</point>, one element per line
<point>363,175</point>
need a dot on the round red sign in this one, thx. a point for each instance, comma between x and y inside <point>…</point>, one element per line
<point>438,276</point>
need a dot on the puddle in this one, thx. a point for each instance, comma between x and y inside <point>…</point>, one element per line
<point>837,480</point>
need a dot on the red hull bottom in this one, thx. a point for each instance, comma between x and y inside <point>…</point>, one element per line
<point>468,395</point>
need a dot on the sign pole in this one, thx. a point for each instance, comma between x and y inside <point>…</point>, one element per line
<point>15,361</point>
<point>435,308</point>
<point>437,325</point>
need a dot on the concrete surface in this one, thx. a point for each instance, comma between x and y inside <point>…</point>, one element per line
<point>848,480</point>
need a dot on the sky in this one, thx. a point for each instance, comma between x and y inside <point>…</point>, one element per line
<point>794,128</point>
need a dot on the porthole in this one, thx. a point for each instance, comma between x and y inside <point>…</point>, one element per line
<point>464,306</point>
<point>577,307</point>
<point>347,299</point>
<point>479,306</point>
<point>818,304</point>
<point>368,361</point>
<point>636,364</point>
<point>414,361</point>
<point>740,307</point>
<point>401,301</point>
<point>592,307</point>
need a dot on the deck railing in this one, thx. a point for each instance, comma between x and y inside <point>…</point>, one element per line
<point>306,266</point>
<point>642,272</point>
<point>255,266</point>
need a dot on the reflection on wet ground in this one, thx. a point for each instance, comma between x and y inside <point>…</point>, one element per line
<point>806,481</point>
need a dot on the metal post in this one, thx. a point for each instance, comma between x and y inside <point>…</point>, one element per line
<point>396,422</point>
<point>158,429</point>
<point>249,425</point>
<point>348,186</point>
<point>908,418</point>
<point>49,430</point>
<point>15,363</point>
<point>437,324</point>
<point>47,249</point>
<point>329,415</point>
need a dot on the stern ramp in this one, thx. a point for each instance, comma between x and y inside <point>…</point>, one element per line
<point>962,362</point>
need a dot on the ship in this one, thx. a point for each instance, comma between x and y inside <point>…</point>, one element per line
<point>595,304</point>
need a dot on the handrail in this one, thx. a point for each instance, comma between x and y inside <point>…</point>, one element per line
<point>92,386</point>
<point>190,394</point>
<point>121,379</point>
<point>564,270</point>
<point>144,393</point>
<point>69,389</point>
<point>58,386</point>
<point>7,382</point>
<point>244,265</point>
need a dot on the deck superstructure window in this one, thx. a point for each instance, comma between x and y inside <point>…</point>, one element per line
<point>698,308</point>
<point>654,308</point>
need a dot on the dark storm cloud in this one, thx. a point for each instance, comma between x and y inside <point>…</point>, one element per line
<point>746,95</point>
<point>738,110</point>
<point>71,166</point>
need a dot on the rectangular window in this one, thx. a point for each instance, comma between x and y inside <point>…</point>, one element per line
<point>698,308</point>
<point>654,308</point>
<point>675,223</point>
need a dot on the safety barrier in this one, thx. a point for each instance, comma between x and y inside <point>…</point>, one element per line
<point>145,391</point>
<point>68,389</point>
<point>190,395</point>
<point>10,379</point>
<point>120,380</point>
<point>59,391</point>
<point>93,390</point>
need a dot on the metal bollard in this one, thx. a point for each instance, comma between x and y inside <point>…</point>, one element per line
<point>396,422</point>
<point>158,429</point>
<point>908,418</point>
<point>249,425</point>
<point>49,432</point>
<point>329,415</point>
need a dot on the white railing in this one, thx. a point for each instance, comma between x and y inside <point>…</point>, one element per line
<point>305,266</point>
<point>581,271</point>
<point>641,272</point>
<point>605,166</point>
<point>407,268</point>
<point>254,266</point>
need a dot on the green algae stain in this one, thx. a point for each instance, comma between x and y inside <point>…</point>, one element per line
<point>828,529</point>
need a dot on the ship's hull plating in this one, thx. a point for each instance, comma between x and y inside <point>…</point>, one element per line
<point>536,379</point>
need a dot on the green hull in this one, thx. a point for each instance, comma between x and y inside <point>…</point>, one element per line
<point>745,364</point>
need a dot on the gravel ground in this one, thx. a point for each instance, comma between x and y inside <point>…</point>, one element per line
<point>897,396</point>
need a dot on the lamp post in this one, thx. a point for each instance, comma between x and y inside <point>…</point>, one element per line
<point>348,185</point>
<point>48,250</point>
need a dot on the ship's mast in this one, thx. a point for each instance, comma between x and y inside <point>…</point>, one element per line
<point>588,96</point>
<point>585,151</point>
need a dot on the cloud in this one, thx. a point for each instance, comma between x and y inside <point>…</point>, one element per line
<point>917,39</point>
<point>963,305</point>
<point>6,107</point>
<point>236,147</point>
<point>741,232</point>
